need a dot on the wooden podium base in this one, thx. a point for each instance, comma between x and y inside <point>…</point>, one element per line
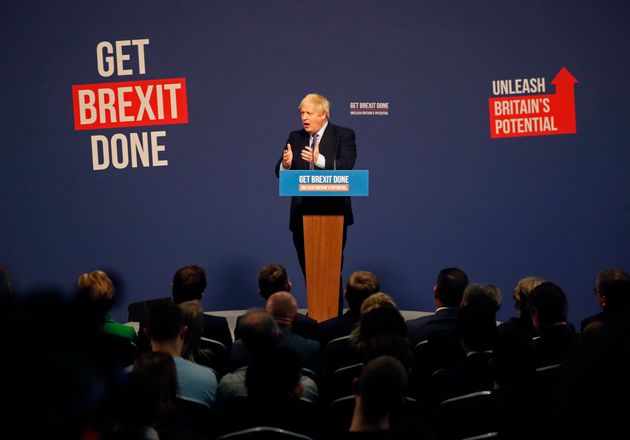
<point>323,241</point>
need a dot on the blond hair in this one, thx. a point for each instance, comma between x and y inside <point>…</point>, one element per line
<point>98,286</point>
<point>320,102</point>
<point>523,289</point>
<point>376,300</point>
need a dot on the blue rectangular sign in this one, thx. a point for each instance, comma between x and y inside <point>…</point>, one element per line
<point>324,183</point>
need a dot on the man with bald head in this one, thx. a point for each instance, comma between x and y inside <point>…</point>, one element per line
<point>283,307</point>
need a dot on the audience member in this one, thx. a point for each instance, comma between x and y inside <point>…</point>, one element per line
<point>283,307</point>
<point>379,390</point>
<point>96,288</point>
<point>612,288</point>
<point>447,294</point>
<point>549,308</point>
<point>166,332</point>
<point>477,329</point>
<point>274,391</point>
<point>259,334</point>
<point>359,286</point>
<point>521,295</point>
<point>514,368</point>
<point>274,278</point>
<point>189,284</point>
<point>481,295</point>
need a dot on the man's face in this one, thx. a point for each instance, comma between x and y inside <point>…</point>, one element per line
<point>312,120</point>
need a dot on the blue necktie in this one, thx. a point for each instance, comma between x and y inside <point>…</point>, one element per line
<point>313,144</point>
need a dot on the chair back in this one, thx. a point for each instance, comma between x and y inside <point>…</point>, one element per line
<point>468,415</point>
<point>264,433</point>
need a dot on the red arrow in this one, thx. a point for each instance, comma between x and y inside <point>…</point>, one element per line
<point>564,108</point>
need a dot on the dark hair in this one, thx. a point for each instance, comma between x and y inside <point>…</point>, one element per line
<point>381,320</point>
<point>450,285</point>
<point>614,286</point>
<point>189,283</point>
<point>382,387</point>
<point>272,374</point>
<point>359,286</point>
<point>271,279</point>
<point>164,321</point>
<point>477,326</point>
<point>158,369</point>
<point>550,302</point>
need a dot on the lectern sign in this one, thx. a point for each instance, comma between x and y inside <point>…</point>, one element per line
<point>324,183</point>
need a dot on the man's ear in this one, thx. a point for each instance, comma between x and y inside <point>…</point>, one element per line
<point>435,292</point>
<point>355,386</point>
<point>183,331</point>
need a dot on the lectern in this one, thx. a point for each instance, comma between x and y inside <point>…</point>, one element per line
<point>323,234</point>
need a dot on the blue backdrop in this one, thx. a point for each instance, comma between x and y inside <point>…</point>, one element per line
<point>442,192</point>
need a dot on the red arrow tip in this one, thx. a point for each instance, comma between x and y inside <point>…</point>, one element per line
<point>564,77</point>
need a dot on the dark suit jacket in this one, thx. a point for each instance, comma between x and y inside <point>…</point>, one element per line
<point>217,328</point>
<point>338,326</point>
<point>442,321</point>
<point>303,325</point>
<point>339,148</point>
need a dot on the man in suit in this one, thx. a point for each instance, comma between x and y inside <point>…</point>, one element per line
<point>189,284</point>
<point>318,145</point>
<point>447,295</point>
<point>359,286</point>
<point>274,278</point>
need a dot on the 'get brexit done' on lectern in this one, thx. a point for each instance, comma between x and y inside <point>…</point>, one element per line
<point>323,234</point>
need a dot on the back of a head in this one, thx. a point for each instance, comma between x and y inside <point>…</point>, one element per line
<point>482,295</point>
<point>97,288</point>
<point>271,279</point>
<point>381,320</point>
<point>523,290</point>
<point>388,344</point>
<point>273,374</point>
<point>375,301</point>
<point>514,359</point>
<point>258,330</point>
<point>189,283</point>
<point>550,302</point>
<point>194,320</point>
<point>359,286</point>
<point>159,369</point>
<point>164,321</point>
<point>283,307</point>
<point>477,326</point>
<point>450,285</point>
<point>614,286</point>
<point>382,386</point>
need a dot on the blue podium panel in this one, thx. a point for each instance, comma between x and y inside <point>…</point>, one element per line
<point>325,183</point>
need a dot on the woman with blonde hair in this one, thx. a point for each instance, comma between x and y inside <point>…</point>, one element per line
<point>97,290</point>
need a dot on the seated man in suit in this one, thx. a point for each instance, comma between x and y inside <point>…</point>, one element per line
<point>613,295</point>
<point>274,278</point>
<point>283,307</point>
<point>189,284</point>
<point>359,286</point>
<point>260,333</point>
<point>447,295</point>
